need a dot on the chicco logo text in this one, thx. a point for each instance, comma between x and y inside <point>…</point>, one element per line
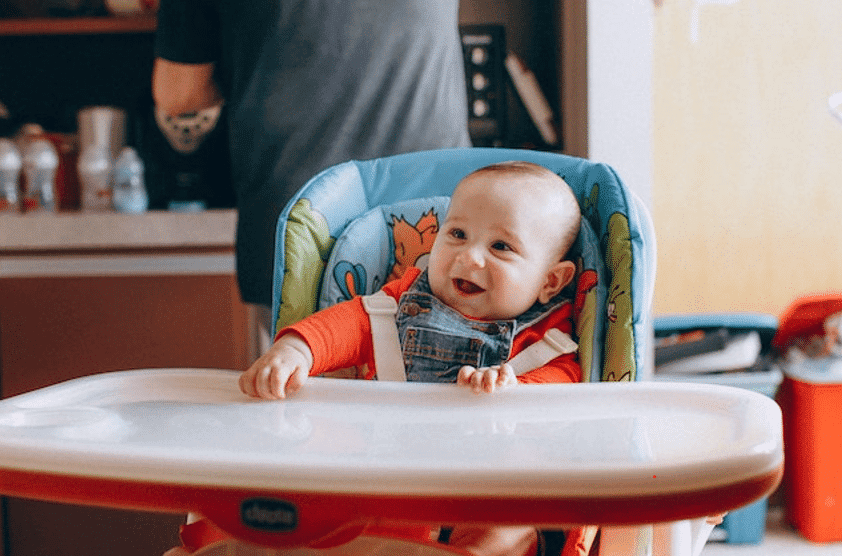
<point>268,514</point>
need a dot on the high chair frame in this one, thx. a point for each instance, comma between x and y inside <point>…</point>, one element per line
<point>615,250</point>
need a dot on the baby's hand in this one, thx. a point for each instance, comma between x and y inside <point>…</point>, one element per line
<point>486,379</point>
<point>281,371</point>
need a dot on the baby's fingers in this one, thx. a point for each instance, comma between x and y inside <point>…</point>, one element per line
<point>486,379</point>
<point>465,375</point>
<point>274,385</point>
<point>267,383</point>
<point>471,377</point>
<point>279,382</point>
<point>250,381</point>
<point>263,381</point>
<point>506,376</point>
<point>489,376</point>
<point>296,381</point>
<point>247,383</point>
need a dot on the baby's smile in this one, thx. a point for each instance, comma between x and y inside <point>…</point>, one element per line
<point>465,287</point>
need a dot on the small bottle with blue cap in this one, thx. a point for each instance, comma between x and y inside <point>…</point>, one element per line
<point>129,184</point>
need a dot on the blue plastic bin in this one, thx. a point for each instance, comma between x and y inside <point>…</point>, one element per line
<point>746,525</point>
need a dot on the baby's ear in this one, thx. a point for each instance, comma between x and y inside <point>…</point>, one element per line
<point>560,275</point>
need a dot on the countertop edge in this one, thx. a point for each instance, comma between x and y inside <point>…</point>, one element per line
<point>72,231</point>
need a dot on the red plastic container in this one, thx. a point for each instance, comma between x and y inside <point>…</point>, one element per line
<point>811,398</point>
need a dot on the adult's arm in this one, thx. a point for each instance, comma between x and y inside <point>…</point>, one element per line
<point>184,88</point>
<point>187,47</point>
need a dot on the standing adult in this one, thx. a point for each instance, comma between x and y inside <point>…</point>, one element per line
<point>308,84</point>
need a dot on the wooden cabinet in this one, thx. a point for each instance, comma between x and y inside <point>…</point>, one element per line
<point>77,25</point>
<point>60,327</point>
<point>83,294</point>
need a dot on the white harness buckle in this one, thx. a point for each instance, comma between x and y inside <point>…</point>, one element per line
<point>388,357</point>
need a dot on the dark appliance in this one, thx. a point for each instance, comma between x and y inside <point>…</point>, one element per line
<point>187,158</point>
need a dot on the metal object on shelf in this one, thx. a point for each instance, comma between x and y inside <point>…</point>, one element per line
<point>484,50</point>
<point>10,166</point>
<point>40,162</point>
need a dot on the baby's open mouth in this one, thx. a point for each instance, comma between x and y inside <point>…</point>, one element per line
<point>465,287</point>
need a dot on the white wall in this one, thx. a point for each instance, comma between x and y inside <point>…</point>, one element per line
<point>620,118</point>
<point>620,89</point>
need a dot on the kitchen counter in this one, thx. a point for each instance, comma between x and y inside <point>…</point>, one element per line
<point>111,230</point>
<point>110,243</point>
<point>86,293</point>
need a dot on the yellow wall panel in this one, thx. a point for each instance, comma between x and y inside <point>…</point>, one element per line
<point>747,192</point>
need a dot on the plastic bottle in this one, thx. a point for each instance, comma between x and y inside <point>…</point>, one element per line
<point>40,161</point>
<point>96,170</point>
<point>129,187</point>
<point>10,165</point>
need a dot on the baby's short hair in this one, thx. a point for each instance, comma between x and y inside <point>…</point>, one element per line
<point>572,215</point>
<point>517,167</point>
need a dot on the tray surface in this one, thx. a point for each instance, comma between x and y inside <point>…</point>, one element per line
<point>194,427</point>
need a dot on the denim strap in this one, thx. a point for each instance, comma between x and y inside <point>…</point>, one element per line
<point>388,358</point>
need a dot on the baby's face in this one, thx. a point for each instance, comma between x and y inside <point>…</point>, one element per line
<point>494,250</point>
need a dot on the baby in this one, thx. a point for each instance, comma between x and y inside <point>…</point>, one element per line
<point>491,289</point>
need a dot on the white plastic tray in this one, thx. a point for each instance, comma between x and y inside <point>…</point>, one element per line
<point>187,439</point>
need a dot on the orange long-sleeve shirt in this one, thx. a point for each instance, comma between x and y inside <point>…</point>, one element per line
<point>340,337</point>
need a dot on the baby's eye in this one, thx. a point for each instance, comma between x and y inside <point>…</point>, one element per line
<point>501,246</point>
<point>457,233</point>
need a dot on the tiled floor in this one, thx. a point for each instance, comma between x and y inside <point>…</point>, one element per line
<point>780,540</point>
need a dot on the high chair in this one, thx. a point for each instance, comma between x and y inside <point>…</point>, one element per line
<point>348,467</point>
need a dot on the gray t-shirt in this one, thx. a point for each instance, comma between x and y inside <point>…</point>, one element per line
<point>311,84</point>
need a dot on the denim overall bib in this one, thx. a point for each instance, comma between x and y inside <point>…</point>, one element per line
<point>436,341</point>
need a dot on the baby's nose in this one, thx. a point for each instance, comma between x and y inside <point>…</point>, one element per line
<point>472,256</point>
